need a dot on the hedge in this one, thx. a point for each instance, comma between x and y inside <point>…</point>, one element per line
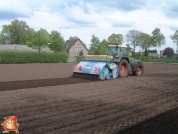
<point>79,58</point>
<point>157,59</point>
<point>14,57</point>
<point>145,58</point>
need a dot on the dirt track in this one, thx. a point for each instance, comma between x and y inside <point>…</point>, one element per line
<point>60,104</point>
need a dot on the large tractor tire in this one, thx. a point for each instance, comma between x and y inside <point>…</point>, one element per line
<point>139,69</point>
<point>123,68</point>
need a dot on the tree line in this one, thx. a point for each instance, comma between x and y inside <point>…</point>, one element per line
<point>134,38</point>
<point>18,32</point>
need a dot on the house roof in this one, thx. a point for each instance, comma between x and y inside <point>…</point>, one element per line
<point>69,43</point>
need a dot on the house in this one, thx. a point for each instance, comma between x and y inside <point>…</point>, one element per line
<point>74,47</point>
<point>152,55</point>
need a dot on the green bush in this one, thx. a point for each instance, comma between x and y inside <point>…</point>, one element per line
<point>81,53</point>
<point>79,58</point>
<point>10,57</point>
<point>156,59</point>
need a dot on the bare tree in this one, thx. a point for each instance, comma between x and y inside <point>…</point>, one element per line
<point>133,37</point>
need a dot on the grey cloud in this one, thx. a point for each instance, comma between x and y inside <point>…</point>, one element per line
<point>100,5</point>
<point>9,15</point>
<point>168,7</point>
<point>172,11</point>
<point>125,5</point>
<point>64,6</point>
<point>81,22</point>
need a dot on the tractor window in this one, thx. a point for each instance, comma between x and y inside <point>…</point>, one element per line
<point>112,51</point>
<point>123,51</point>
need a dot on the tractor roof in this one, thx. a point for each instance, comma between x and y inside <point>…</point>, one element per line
<point>117,45</point>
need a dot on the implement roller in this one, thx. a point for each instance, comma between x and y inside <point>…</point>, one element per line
<point>117,63</point>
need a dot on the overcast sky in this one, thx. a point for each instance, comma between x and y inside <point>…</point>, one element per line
<point>83,18</point>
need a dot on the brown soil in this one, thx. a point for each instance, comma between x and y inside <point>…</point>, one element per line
<point>12,85</point>
<point>47,100</point>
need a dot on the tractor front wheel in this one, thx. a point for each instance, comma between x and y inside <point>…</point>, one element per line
<point>139,69</point>
<point>123,68</point>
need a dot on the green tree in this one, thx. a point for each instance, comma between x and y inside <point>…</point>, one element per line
<point>133,37</point>
<point>174,38</point>
<point>16,32</point>
<point>146,52</point>
<point>6,34</point>
<point>81,53</point>
<point>40,40</point>
<point>75,37</point>
<point>129,49</point>
<point>153,51</point>
<point>145,40</point>
<point>56,41</point>
<point>102,47</point>
<point>158,38</point>
<point>156,51</point>
<point>1,39</point>
<point>31,36</point>
<point>94,44</point>
<point>115,39</point>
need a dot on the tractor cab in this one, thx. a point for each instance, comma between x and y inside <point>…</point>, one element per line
<point>117,50</point>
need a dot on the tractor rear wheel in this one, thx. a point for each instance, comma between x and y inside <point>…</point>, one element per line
<point>123,68</point>
<point>139,69</point>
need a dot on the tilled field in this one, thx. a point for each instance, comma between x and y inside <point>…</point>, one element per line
<point>47,100</point>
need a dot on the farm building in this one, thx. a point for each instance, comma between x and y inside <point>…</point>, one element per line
<point>74,47</point>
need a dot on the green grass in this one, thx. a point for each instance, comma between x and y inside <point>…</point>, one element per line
<point>14,57</point>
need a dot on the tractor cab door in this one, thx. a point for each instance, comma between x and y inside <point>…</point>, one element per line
<point>123,51</point>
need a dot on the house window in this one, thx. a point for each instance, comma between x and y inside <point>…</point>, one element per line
<point>76,48</point>
<point>80,48</point>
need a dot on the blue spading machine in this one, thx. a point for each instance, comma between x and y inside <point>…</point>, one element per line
<point>117,63</point>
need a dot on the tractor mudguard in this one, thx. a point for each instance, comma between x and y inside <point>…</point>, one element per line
<point>133,65</point>
<point>119,58</point>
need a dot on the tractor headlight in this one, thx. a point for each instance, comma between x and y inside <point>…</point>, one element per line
<point>112,66</point>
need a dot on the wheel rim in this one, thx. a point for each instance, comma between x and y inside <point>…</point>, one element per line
<point>122,69</point>
<point>139,70</point>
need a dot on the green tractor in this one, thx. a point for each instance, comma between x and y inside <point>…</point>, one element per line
<point>116,63</point>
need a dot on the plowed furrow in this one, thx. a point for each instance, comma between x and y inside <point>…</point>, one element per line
<point>102,118</point>
<point>66,106</point>
<point>103,114</point>
<point>123,123</point>
<point>73,107</point>
<point>13,85</point>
